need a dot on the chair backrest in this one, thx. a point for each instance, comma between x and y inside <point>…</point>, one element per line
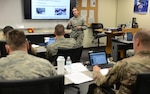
<point>95,26</point>
<point>142,85</point>
<point>3,52</point>
<point>74,53</point>
<point>44,85</point>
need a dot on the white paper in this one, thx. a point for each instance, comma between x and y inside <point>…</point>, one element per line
<point>78,78</point>
<point>104,71</point>
<point>41,49</point>
<point>34,45</point>
<point>83,14</point>
<point>84,3</point>
<point>91,13</point>
<point>93,3</point>
<point>91,20</point>
<point>77,67</point>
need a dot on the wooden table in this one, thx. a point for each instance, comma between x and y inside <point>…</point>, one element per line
<point>112,34</point>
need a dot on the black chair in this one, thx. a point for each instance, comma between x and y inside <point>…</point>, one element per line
<point>142,85</point>
<point>3,52</point>
<point>97,29</point>
<point>74,53</point>
<point>44,85</point>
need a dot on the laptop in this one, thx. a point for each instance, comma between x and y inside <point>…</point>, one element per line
<point>100,59</point>
<point>49,40</point>
<point>129,36</point>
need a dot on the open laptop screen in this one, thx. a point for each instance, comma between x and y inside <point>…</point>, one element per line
<point>98,58</point>
<point>49,40</point>
<point>129,36</point>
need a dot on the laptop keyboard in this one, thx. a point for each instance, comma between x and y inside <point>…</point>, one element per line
<point>106,66</point>
<point>90,67</point>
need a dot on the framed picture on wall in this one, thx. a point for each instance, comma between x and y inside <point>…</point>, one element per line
<point>141,6</point>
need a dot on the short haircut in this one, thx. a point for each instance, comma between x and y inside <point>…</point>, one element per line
<point>144,37</point>
<point>75,8</point>
<point>59,29</point>
<point>16,39</point>
<point>6,29</point>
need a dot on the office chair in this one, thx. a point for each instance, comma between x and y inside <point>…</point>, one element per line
<point>43,85</point>
<point>75,55</point>
<point>97,29</point>
<point>3,52</point>
<point>142,85</point>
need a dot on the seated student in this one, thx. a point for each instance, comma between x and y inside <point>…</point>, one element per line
<point>125,71</point>
<point>5,30</point>
<point>60,41</point>
<point>3,52</point>
<point>19,65</point>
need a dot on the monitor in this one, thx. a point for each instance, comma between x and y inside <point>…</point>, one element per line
<point>97,58</point>
<point>48,9</point>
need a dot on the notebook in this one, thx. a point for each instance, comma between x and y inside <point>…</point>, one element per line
<point>100,59</point>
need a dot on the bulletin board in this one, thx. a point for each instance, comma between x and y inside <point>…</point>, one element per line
<point>89,10</point>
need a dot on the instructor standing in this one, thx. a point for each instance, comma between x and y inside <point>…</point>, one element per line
<point>77,24</point>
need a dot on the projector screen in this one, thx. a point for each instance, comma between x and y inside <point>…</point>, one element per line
<point>48,9</point>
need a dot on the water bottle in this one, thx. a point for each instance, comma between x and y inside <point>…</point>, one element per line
<point>60,64</point>
<point>125,36</point>
<point>68,64</point>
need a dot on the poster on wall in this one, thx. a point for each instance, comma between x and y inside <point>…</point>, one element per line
<point>141,6</point>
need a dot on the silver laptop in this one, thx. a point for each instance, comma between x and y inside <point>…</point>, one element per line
<point>100,59</point>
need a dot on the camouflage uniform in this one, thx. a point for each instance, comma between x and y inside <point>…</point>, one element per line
<point>125,72</point>
<point>77,34</point>
<point>60,43</point>
<point>20,65</point>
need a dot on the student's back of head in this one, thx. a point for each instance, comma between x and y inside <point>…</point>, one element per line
<point>141,41</point>
<point>6,29</point>
<point>59,30</point>
<point>16,39</point>
<point>3,52</point>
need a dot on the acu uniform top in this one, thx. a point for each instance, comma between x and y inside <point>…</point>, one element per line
<point>63,42</point>
<point>77,34</point>
<point>20,65</point>
<point>125,72</point>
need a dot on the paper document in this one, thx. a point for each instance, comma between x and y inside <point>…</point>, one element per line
<point>77,67</point>
<point>78,78</point>
<point>104,71</point>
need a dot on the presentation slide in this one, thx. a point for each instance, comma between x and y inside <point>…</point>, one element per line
<point>50,9</point>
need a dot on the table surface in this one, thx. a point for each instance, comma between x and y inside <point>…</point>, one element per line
<point>87,73</point>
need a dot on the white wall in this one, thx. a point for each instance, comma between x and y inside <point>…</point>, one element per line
<point>12,14</point>
<point>125,14</point>
<point>107,11</point>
